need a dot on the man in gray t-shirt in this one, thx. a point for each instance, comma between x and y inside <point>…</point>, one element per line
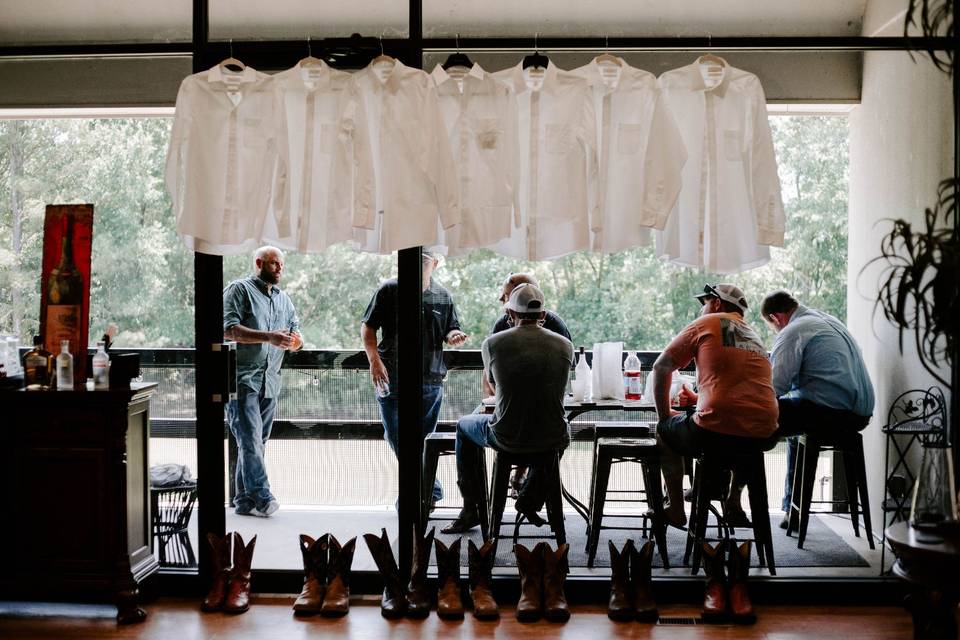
<point>529,366</point>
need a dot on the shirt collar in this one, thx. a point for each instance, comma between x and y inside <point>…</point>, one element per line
<point>323,79</point>
<point>696,79</point>
<point>799,311</point>
<point>520,83</point>
<point>262,285</point>
<point>215,74</point>
<point>393,78</point>
<point>440,75</point>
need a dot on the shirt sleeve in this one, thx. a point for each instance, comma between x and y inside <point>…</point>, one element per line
<point>292,319</point>
<point>354,120</point>
<point>373,316</point>
<point>666,154</point>
<point>588,135</point>
<point>683,348</point>
<point>439,160</point>
<point>233,305</point>
<point>558,326</point>
<point>767,201</point>
<point>453,318</point>
<point>281,174</point>
<point>178,134</point>
<point>785,358</point>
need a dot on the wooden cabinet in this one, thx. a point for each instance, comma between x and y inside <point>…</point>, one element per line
<point>76,504</point>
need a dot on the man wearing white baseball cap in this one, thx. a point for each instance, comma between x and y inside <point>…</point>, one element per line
<point>528,368</point>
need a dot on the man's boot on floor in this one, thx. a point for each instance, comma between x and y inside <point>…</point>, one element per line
<point>220,556</point>
<point>418,596</point>
<point>449,600</point>
<point>481,575</point>
<point>738,569</point>
<point>336,601</point>
<point>530,567</point>
<point>469,516</point>
<point>238,594</point>
<point>555,569</point>
<point>393,603</point>
<point>642,583</point>
<point>621,606</point>
<point>715,596</point>
<point>314,554</point>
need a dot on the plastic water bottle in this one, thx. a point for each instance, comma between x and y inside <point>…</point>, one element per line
<point>101,368</point>
<point>64,367</point>
<point>584,377</point>
<point>632,377</point>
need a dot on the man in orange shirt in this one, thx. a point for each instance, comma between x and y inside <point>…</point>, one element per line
<point>736,398</point>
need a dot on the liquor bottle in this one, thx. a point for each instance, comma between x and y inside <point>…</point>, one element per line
<point>584,378</point>
<point>632,372</point>
<point>101,368</point>
<point>64,367</point>
<point>64,294</point>
<point>38,365</point>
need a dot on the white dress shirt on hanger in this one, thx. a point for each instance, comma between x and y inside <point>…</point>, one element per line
<point>416,183</point>
<point>327,153</point>
<point>481,122</point>
<point>730,210</point>
<point>558,163</point>
<point>641,154</point>
<point>222,159</point>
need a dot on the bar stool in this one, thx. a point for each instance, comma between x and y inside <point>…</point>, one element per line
<point>850,445</point>
<point>611,451</point>
<point>548,463</point>
<point>439,444</point>
<point>171,508</point>
<point>713,469</point>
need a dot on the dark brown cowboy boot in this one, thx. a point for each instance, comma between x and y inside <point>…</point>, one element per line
<point>642,584</point>
<point>530,566</point>
<point>393,604</point>
<point>220,556</point>
<point>449,602</point>
<point>738,568</point>
<point>336,602</point>
<point>555,569</point>
<point>314,554</point>
<point>621,606</point>
<point>238,595</point>
<point>418,596</point>
<point>715,596</point>
<point>481,570</point>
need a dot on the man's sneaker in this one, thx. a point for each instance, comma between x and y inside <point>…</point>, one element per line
<point>267,511</point>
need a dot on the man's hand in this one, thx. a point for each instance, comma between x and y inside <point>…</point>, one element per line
<point>686,396</point>
<point>456,338</point>
<point>283,339</point>
<point>378,372</point>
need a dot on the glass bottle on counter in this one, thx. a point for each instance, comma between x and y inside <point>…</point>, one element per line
<point>38,365</point>
<point>64,294</point>
<point>101,368</point>
<point>64,367</point>
<point>632,377</point>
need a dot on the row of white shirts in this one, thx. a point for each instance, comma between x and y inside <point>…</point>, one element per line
<point>534,163</point>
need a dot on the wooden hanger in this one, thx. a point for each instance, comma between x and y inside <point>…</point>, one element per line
<point>310,61</point>
<point>709,58</point>
<point>606,57</point>
<point>457,59</point>
<point>382,57</point>
<point>226,64</point>
<point>536,59</point>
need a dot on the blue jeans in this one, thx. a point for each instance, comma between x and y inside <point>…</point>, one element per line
<point>251,420</point>
<point>473,434</point>
<point>432,399</point>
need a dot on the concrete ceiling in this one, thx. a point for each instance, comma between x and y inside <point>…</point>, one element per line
<point>66,21</point>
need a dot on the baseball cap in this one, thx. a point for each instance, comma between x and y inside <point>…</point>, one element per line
<point>526,298</point>
<point>726,292</point>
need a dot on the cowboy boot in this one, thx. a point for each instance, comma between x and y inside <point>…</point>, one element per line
<point>715,597</point>
<point>220,556</point>
<point>336,601</point>
<point>738,568</point>
<point>642,583</point>
<point>555,569</point>
<point>449,602</point>
<point>530,566</point>
<point>418,597</point>
<point>469,516</point>
<point>621,606</point>
<point>238,595</point>
<point>393,604</point>
<point>481,567</point>
<point>314,554</point>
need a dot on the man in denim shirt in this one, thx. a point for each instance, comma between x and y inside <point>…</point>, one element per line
<point>261,319</point>
<point>821,381</point>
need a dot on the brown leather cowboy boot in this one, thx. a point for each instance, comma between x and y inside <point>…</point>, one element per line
<point>393,603</point>
<point>481,567</point>
<point>418,596</point>
<point>621,606</point>
<point>238,595</point>
<point>449,602</point>
<point>738,568</point>
<point>336,602</point>
<point>715,596</point>
<point>555,571</point>
<point>220,556</point>
<point>314,554</point>
<point>530,566</point>
<point>642,584</point>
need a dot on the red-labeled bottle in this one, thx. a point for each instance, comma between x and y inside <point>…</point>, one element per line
<point>632,377</point>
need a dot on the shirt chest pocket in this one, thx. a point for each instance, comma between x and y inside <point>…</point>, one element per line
<point>489,134</point>
<point>559,138</point>
<point>629,138</point>
<point>733,144</point>
<point>253,137</point>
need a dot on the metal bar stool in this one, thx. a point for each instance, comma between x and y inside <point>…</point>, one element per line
<point>547,463</point>
<point>439,444</point>
<point>171,509</point>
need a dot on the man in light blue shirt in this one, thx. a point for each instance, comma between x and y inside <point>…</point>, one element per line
<point>818,374</point>
<point>261,319</point>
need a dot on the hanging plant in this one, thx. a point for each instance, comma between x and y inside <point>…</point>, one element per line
<point>920,281</point>
<point>932,18</point>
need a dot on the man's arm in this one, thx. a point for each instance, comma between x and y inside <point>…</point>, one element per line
<point>244,335</point>
<point>785,359</point>
<point>663,370</point>
<point>378,370</point>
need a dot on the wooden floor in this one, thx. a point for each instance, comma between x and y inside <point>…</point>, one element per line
<point>177,619</point>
